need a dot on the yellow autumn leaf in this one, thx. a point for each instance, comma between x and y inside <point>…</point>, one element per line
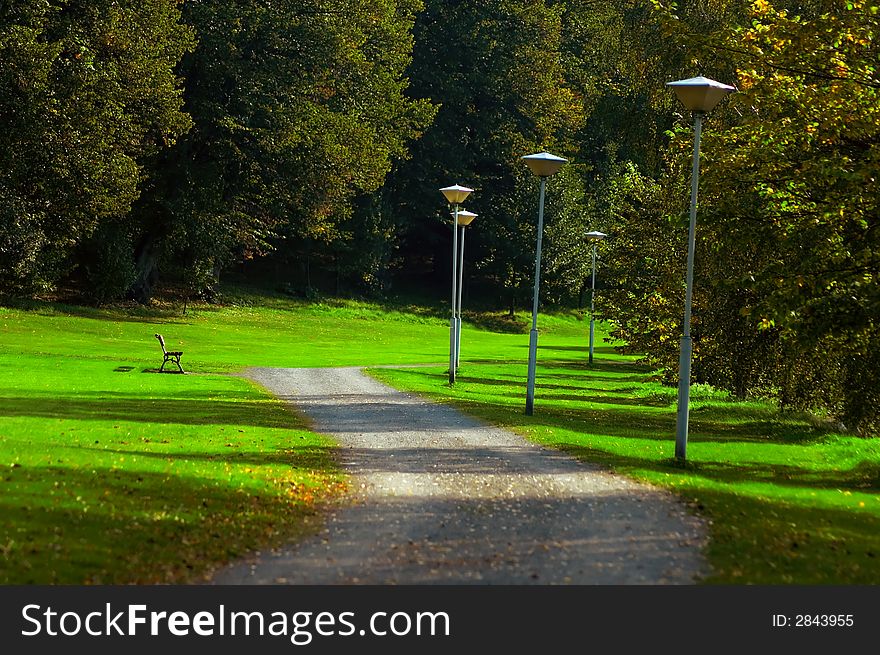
<point>761,7</point>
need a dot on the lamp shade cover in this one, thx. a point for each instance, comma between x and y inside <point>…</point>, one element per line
<point>700,93</point>
<point>543,164</point>
<point>465,217</point>
<point>456,193</point>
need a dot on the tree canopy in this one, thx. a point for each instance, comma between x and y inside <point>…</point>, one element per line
<point>88,93</point>
<point>165,142</point>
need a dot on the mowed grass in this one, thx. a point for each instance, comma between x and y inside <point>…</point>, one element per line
<point>111,473</point>
<point>261,330</point>
<point>788,501</point>
<point>124,477</point>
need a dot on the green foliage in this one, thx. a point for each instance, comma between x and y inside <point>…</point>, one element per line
<point>803,159</point>
<point>107,266</point>
<point>298,107</point>
<point>496,70</point>
<point>87,92</point>
<point>785,295</point>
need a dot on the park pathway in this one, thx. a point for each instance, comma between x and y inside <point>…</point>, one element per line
<point>445,499</point>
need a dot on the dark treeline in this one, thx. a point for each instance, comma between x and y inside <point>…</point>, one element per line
<point>157,143</point>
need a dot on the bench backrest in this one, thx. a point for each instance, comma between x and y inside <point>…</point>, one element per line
<point>161,342</point>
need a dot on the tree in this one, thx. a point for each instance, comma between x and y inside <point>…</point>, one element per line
<point>298,107</point>
<point>495,70</point>
<point>807,152</point>
<point>87,94</point>
<point>785,301</point>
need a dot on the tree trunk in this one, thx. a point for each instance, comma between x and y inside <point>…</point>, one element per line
<point>581,293</point>
<point>210,290</point>
<point>147,267</point>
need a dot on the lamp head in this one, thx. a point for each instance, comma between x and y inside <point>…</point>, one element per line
<point>595,236</point>
<point>456,194</point>
<point>700,93</point>
<point>465,217</point>
<point>543,164</point>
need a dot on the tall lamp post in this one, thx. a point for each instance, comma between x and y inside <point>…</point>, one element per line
<point>699,95</point>
<point>464,219</point>
<point>542,164</point>
<point>595,238</point>
<point>455,195</point>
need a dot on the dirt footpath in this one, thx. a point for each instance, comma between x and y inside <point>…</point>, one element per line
<point>445,499</point>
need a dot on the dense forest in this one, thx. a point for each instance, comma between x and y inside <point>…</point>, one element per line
<point>154,144</point>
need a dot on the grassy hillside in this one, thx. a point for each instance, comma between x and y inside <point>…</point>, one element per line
<point>112,473</point>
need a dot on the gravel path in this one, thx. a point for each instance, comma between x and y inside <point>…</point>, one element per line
<point>446,499</point>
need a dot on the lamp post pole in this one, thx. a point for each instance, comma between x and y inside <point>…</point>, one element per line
<point>687,346</point>
<point>700,95</point>
<point>533,333</point>
<point>543,165</point>
<point>460,280</point>
<point>453,323</point>
<point>464,219</point>
<point>455,195</point>
<point>592,304</point>
<point>595,237</point>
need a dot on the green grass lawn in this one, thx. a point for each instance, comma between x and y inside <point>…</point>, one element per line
<point>788,501</point>
<point>115,476</point>
<point>267,330</point>
<point>111,473</point>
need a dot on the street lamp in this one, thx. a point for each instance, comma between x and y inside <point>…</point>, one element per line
<point>455,195</point>
<point>595,238</point>
<point>700,95</point>
<point>542,164</point>
<point>464,219</point>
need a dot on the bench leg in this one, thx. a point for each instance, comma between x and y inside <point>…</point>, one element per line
<point>162,368</point>
<point>177,361</point>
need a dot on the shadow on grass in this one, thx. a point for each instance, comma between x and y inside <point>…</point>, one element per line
<point>116,406</point>
<point>624,422</point>
<point>772,542</point>
<point>70,526</point>
<point>865,477</point>
<point>314,458</point>
<point>496,362</point>
<point>603,366</point>
<point>521,383</point>
<point>607,350</point>
<point>599,370</point>
<point>591,374</point>
<point>126,314</point>
<point>577,395</point>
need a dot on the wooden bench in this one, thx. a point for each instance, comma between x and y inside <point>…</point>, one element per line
<point>170,356</point>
